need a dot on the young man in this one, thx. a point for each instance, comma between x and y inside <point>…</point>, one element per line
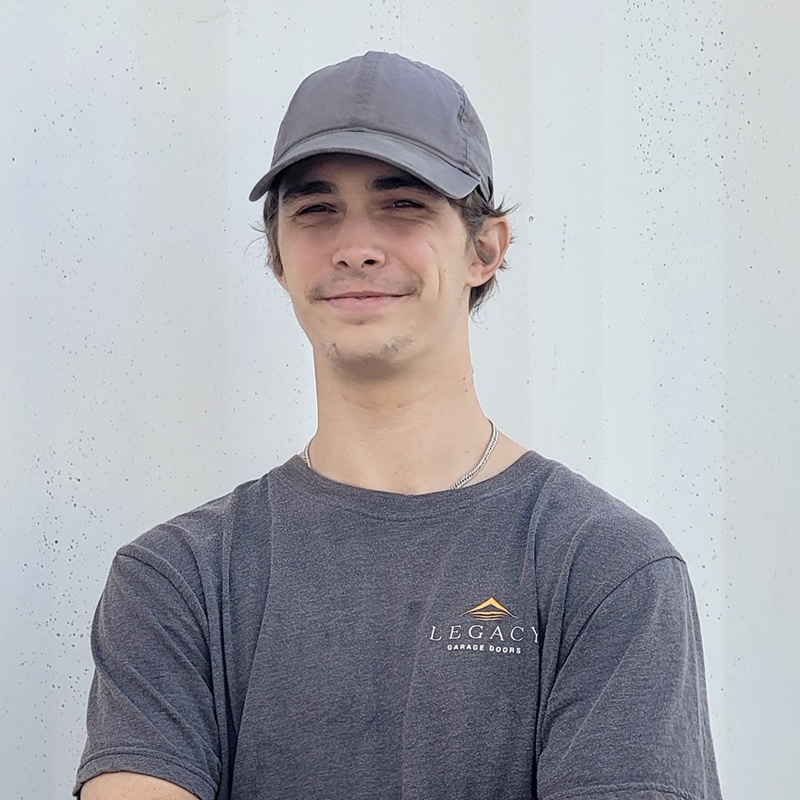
<point>417,606</point>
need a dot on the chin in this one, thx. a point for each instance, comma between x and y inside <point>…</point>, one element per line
<point>378,360</point>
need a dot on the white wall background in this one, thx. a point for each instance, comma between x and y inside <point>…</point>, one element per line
<point>647,334</point>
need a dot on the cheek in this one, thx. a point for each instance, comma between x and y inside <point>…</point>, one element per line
<point>283,245</point>
<point>309,249</point>
<point>296,264</point>
<point>292,281</point>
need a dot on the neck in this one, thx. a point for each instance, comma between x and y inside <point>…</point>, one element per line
<point>405,433</point>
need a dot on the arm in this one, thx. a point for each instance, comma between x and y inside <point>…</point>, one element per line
<point>151,708</point>
<point>626,716</point>
<point>131,786</point>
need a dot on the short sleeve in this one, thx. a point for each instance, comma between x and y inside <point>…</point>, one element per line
<point>151,706</point>
<point>627,716</point>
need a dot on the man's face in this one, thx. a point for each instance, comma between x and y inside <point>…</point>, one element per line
<point>378,265</point>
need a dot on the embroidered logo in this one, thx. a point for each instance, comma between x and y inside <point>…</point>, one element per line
<point>489,610</point>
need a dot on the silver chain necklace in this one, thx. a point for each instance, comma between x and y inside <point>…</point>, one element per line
<point>464,479</point>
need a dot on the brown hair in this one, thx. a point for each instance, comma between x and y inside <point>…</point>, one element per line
<point>474,211</point>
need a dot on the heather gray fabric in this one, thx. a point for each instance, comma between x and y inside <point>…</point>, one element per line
<point>526,637</point>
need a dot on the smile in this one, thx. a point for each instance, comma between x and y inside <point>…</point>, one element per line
<point>362,300</point>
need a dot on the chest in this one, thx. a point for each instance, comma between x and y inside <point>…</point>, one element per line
<point>399,646</point>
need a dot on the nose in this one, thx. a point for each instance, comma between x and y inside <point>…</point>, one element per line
<point>357,244</point>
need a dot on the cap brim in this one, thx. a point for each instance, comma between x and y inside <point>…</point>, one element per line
<point>419,162</point>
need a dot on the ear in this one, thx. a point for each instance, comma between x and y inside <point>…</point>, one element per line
<point>489,249</point>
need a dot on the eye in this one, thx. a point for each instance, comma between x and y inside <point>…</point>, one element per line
<point>406,203</point>
<point>316,208</point>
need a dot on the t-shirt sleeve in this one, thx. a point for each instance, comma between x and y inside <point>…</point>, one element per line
<point>151,706</point>
<point>626,716</point>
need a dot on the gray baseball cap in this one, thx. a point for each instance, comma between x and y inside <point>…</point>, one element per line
<point>384,106</point>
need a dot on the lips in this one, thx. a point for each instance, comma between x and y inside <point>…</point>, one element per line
<point>360,300</point>
<point>366,293</point>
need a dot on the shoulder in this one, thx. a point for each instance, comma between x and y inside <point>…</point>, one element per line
<point>587,542</point>
<point>191,549</point>
<point>573,512</point>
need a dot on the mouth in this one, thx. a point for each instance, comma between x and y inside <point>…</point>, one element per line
<point>362,300</point>
<point>362,294</point>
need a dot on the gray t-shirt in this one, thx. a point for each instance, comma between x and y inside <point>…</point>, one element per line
<point>526,637</point>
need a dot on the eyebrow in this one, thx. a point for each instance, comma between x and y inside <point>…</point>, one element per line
<point>390,182</point>
<point>305,189</point>
<point>387,183</point>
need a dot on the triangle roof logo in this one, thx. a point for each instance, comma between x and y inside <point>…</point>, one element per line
<point>488,610</point>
